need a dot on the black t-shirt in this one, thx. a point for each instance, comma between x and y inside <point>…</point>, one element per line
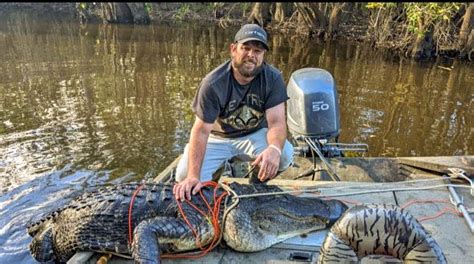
<point>237,110</point>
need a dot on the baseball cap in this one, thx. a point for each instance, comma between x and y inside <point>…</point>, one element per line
<point>251,32</point>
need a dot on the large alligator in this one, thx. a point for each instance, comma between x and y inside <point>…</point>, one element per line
<point>99,221</point>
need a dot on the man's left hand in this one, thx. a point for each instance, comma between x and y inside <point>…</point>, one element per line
<point>269,161</point>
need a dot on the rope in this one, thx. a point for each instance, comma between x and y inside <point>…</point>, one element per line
<point>214,216</point>
<point>409,203</point>
<point>352,193</point>
<point>440,213</point>
<point>130,208</point>
<point>317,189</point>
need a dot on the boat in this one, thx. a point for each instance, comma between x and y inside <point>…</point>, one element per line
<point>437,191</point>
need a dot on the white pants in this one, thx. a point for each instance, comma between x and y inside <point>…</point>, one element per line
<point>220,150</point>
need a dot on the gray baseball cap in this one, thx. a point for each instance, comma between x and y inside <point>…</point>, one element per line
<point>250,32</point>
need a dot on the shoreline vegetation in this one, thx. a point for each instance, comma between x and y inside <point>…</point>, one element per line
<point>412,30</point>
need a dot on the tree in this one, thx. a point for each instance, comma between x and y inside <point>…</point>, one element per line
<point>466,33</point>
<point>335,18</point>
<point>319,19</point>
<point>124,13</point>
<point>260,14</point>
<point>280,13</point>
<point>417,29</point>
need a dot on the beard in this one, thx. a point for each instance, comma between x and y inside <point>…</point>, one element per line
<point>246,72</point>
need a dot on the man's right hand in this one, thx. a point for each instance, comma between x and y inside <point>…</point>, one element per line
<point>182,190</point>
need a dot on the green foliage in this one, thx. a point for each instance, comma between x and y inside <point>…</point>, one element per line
<point>148,8</point>
<point>422,15</point>
<point>376,5</point>
<point>419,16</point>
<point>207,7</point>
<point>182,11</point>
<point>217,5</point>
<point>83,6</point>
<point>244,6</point>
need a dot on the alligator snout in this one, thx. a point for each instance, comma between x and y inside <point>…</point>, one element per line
<point>336,209</point>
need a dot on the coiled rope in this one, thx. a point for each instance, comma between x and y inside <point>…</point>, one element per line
<point>212,215</point>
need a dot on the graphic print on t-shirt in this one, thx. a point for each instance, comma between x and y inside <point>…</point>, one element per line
<point>244,117</point>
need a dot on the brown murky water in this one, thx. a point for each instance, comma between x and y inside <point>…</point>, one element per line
<point>83,105</point>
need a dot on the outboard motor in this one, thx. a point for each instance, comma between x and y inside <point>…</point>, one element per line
<point>313,116</point>
<point>313,108</point>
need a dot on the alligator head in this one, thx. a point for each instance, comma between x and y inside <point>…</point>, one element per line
<point>259,222</point>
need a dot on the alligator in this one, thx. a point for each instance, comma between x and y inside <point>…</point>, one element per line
<point>100,220</point>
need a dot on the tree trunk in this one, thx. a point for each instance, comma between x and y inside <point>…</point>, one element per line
<point>307,14</point>
<point>335,19</point>
<point>259,14</point>
<point>279,15</point>
<point>124,13</point>
<point>470,46</point>
<point>320,15</point>
<point>139,13</point>
<point>466,28</point>
<point>423,45</point>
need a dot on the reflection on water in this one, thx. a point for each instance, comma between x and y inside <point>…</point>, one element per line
<point>84,105</point>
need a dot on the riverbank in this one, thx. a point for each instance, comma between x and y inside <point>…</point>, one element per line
<point>381,26</point>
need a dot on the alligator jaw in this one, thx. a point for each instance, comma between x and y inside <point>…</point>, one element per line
<point>254,226</point>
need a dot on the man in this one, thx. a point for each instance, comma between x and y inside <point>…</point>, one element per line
<point>239,109</point>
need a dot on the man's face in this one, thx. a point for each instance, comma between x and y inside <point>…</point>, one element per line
<point>247,58</point>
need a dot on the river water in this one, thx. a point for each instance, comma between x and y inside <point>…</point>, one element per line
<point>83,105</point>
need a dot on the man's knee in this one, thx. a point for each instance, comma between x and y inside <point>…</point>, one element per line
<point>182,168</point>
<point>208,167</point>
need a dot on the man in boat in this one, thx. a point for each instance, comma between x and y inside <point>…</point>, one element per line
<point>240,110</point>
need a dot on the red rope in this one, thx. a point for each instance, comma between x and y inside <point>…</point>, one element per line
<point>130,208</point>
<point>424,201</point>
<point>213,215</point>
<point>440,213</point>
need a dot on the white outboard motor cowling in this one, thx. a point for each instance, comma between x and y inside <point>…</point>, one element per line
<point>313,108</point>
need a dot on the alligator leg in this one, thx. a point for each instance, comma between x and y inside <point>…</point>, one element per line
<point>161,234</point>
<point>42,246</point>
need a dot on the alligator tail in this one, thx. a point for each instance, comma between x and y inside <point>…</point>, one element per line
<point>382,230</point>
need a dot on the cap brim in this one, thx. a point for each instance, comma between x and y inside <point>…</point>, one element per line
<point>256,39</point>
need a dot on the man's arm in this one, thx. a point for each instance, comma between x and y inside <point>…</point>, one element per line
<point>197,149</point>
<point>269,159</point>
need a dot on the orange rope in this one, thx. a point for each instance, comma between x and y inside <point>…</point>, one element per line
<point>130,208</point>
<point>440,213</point>
<point>213,215</point>
<point>424,201</point>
